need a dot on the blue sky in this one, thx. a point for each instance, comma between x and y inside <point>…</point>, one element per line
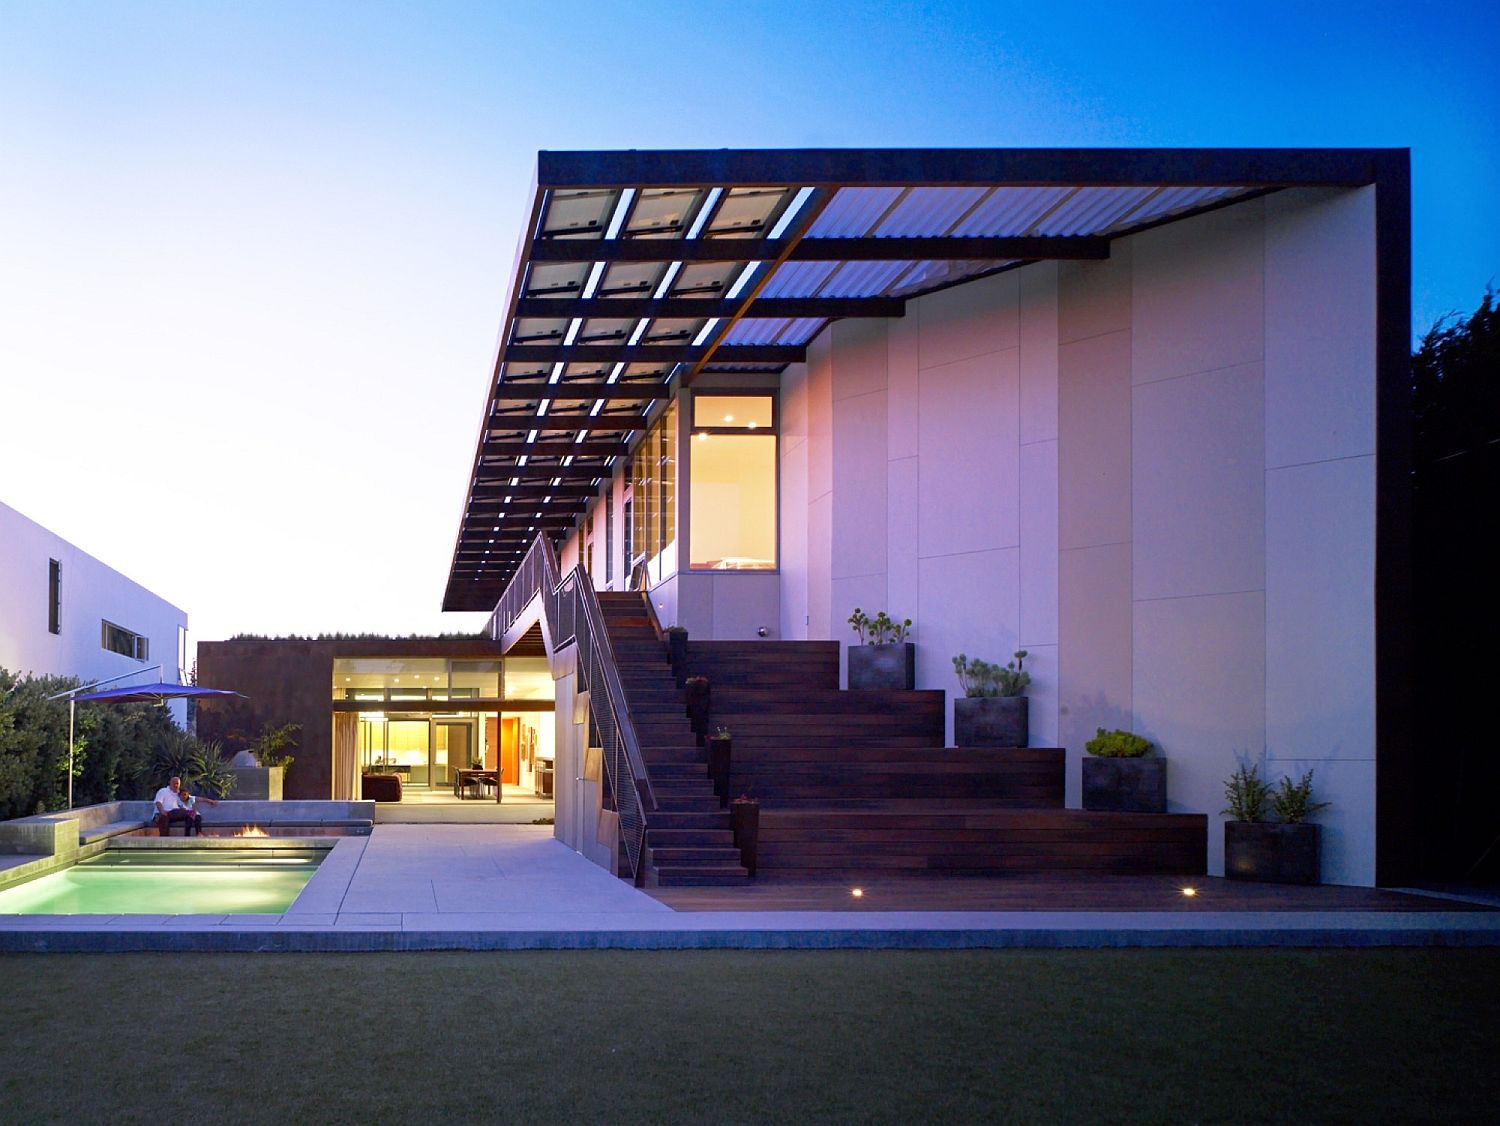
<point>257,252</point>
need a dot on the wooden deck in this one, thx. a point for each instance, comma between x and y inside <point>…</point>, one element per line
<point>1044,893</point>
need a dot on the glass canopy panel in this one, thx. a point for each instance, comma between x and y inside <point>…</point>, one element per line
<point>578,212</point>
<point>747,212</point>
<point>704,279</point>
<point>631,279</point>
<point>663,212</point>
<point>554,278</point>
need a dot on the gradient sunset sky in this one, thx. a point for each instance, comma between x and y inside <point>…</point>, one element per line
<point>252,256</point>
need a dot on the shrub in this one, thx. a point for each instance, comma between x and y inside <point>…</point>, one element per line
<point>1293,802</point>
<point>1117,744</point>
<point>980,678</point>
<point>879,630</point>
<point>1247,794</point>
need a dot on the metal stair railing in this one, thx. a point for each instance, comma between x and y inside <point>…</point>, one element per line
<point>571,615</point>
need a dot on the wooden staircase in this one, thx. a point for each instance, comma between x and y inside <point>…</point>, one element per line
<point>688,839</point>
<point>857,783</point>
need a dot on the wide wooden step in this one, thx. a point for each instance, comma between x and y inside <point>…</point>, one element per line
<point>691,838</point>
<point>827,841</point>
<point>701,876</point>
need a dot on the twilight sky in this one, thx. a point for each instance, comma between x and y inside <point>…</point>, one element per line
<point>252,255</point>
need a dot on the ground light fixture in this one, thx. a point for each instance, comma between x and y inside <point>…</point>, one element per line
<point>1189,893</point>
<point>857,893</point>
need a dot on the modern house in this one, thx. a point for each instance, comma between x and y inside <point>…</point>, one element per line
<point>65,613</point>
<point>1139,413</point>
<point>419,708</point>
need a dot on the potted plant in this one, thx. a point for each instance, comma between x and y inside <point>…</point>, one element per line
<point>697,704</point>
<point>264,779</point>
<point>992,712</point>
<point>883,658</point>
<point>1256,848</point>
<point>1121,776</point>
<point>744,819</point>
<point>677,637</point>
<point>718,744</point>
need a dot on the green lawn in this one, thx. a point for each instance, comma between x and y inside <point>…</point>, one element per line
<point>731,1036</point>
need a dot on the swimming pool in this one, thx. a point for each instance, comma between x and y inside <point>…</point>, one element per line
<point>169,882</point>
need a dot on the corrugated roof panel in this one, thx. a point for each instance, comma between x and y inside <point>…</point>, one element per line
<point>931,275</point>
<point>852,212</point>
<point>1171,200</point>
<point>802,329</point>
<point>864,279</point>
<point>1010,211</point>
<point>756,330</point>
<point>798,279</point>
<point>928,212</point>
<point>1092,211</point>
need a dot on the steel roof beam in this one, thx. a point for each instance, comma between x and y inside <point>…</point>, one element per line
<point>586,448</point>
<point>1070,247</point>
<point>652,353</point>
<point>584,391</point>
<point>701,308</point>
<point>566,422</point>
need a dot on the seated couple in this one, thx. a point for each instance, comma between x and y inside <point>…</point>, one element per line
<point>175,804</point>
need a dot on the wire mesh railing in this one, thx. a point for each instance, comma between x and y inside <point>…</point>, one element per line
<point>571,615</point>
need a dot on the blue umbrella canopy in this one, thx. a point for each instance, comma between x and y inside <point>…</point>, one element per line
<point>156,694</point>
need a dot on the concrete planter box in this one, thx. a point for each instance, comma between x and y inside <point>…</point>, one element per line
<point>990,721</point>
<point>257,783</point>
<point>883,666</point>
<point>677,640</point>
<point>1278,854</point>
<point>1125,785</point>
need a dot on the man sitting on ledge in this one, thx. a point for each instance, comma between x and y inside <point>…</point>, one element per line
<point>169,808</point>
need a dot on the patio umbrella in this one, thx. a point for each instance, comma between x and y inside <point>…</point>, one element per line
<point>157,693</point>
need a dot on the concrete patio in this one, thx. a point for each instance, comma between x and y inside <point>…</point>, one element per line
<point>431,887</point>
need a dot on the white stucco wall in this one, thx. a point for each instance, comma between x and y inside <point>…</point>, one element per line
<point>1155,473</point>
<point>90,592</point>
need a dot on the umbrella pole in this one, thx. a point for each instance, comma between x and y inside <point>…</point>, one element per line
<point>72,707</point>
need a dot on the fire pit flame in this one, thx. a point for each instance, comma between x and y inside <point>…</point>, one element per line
<point>252,831</point>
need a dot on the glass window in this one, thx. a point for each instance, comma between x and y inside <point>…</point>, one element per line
<point>118,639</point>
<point>654,502</point>
<point>54,596</point>
<point>527,678</point>
<point>732,498</point>
<point>739,412</point>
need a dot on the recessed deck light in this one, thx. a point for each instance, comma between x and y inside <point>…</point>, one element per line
<point>1189,892</point>
<point>858,893</point>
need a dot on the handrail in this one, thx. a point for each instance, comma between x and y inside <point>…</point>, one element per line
<point>571,615</point>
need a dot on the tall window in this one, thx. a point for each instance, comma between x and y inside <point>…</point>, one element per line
<point>653,472</point>
<point>732,483</point>
<point>54,596</point>
<point>609,533</point>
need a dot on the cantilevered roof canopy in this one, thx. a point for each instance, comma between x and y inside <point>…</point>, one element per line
<point>639,271</point>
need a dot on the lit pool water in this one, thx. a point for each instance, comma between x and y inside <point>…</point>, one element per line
<point>139,882</point>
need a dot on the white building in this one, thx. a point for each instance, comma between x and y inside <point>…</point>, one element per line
<point>1141,413</point>
<point>65,613</point>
